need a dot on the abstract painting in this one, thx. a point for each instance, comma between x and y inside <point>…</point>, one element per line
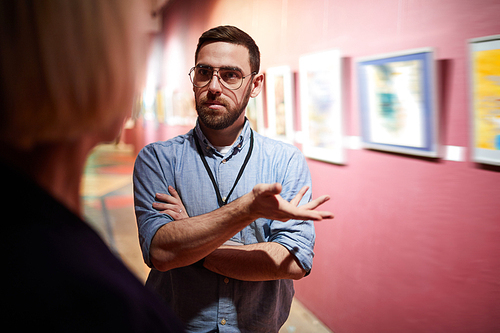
<point>484,76</point>
<point>321,106</point>
<point>398,102</point>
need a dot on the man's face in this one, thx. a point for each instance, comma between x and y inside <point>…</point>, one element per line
<point>219,107</point>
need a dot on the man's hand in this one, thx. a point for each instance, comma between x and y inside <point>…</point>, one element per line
<point>171,204</point>
<point>266,202</point>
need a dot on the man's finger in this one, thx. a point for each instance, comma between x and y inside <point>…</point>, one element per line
<point>161,196</point>
<point>160,205</point>
<point>327,215</point>
<point>173,192</point>
<point>315,202</point>
<point>313,215</point>
<point>267,189</point>
<point>303,215</point>
<point>166,198</point>
<point>295,201</point>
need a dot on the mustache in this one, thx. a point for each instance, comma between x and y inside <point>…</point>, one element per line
<point>216,99</point>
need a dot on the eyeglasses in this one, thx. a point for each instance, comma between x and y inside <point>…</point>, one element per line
<point>230,78</point>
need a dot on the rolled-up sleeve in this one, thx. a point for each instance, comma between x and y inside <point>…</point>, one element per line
<point>296,235</point>
<point>149,178</point>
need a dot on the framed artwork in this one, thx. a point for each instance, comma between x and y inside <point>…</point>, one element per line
<point>484,68</point>
<point>180,107</point>
<point>320,77</point>
<point>279,94</point>
<point>255,113</point>
<point>398,102</point>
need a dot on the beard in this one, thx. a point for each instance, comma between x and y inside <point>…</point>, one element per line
<point>220,121</point>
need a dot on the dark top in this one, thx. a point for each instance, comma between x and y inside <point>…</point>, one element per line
<point>60,276</point>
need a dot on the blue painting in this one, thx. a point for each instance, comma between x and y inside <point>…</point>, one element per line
<point>398,103</point>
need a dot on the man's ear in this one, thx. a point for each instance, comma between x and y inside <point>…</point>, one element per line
<point>258,83</point>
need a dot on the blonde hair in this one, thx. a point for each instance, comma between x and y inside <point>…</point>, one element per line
<point>68,67</point>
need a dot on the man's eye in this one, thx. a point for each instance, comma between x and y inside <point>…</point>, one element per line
<point>231,75</point>
<point>203,72</point>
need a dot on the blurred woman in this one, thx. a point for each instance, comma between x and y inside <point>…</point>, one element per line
<point>69,71</point>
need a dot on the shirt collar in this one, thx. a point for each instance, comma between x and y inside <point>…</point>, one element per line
<point>240,142</point>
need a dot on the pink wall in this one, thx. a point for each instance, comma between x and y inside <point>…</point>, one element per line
<point>415,245</point>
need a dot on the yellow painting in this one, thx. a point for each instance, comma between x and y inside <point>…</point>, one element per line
<point>486,78</point>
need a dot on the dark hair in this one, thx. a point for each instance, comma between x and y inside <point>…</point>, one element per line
<point>233,35</point>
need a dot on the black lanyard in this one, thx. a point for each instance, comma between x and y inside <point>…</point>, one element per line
<point>210,174</point>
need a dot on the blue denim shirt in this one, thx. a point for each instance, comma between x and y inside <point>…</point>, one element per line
<point>203,300</point>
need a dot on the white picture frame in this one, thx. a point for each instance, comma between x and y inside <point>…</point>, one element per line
<point>320,76</point>
<point>280,104</point>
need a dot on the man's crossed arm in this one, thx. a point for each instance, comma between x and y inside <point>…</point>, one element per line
<point>188,239</point>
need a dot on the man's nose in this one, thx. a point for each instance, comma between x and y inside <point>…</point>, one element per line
<point>215,86</point>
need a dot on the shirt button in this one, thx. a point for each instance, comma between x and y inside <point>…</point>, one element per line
<point>224,161</point>
<point>223,321</point>
<point>226,280</point>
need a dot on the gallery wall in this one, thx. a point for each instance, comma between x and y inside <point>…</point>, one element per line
<point>415,243</point>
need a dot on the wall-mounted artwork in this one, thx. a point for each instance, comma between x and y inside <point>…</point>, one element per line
<point>398,102</point>
<point>180,107</point>
<point>320,77</point>
<point>484,76</point>
<point>279,94</point>
<point>255,113</point>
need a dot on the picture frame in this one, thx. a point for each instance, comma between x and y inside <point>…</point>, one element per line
<point>180,107</point>
<point>484,90</point>
<point>279,95</point>
<point>255,113</point>
<point>320,76</point>
<point>398,102</point>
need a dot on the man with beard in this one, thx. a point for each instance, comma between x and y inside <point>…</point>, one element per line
<point>228,279</point>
